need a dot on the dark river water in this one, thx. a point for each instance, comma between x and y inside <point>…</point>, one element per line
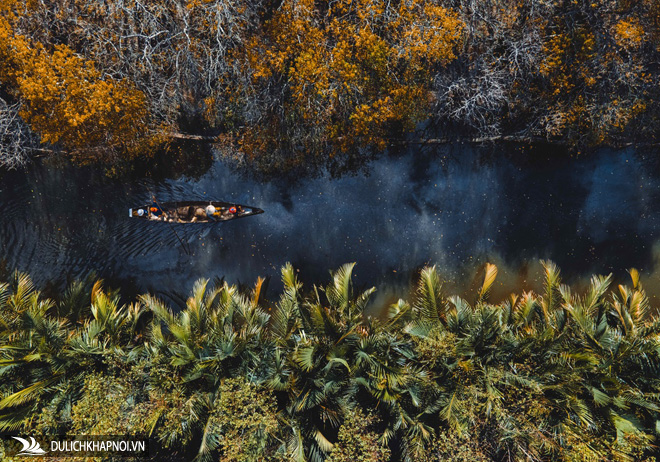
<point>456,207</point>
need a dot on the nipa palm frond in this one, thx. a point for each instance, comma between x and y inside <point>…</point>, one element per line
<point>489,279</point>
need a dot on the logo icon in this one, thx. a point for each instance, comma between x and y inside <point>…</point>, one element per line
<point>30,448</point>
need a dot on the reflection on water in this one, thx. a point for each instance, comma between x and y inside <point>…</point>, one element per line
<point>457,208</point>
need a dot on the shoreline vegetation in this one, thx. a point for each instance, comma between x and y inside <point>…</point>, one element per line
<point>232,376</point>
<point>289,85</point>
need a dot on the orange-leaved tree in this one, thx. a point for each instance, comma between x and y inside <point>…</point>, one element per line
<point>328,77</point>
<point>594,78</point>
<point>67,100</point>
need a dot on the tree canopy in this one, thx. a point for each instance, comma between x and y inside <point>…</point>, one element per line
<point>302,84</point>
<point>312,376</point>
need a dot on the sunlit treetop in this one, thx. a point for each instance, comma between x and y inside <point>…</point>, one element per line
<point>67,100</point>
<point>350,72</point>
<point>629,33</point>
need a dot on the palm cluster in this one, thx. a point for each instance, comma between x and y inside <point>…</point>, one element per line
<point>310,377</point>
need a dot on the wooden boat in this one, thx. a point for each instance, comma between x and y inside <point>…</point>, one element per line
<point>193,212</point>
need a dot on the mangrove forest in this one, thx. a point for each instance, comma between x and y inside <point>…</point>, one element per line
<point>300,84</point>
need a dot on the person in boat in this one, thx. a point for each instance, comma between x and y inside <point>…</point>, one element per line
<point>211,212</point>
<point>155,210</point>
<point>227,212</point>
<point>208,213</point>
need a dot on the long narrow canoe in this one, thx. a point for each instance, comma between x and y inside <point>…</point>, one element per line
<point>194,212</point>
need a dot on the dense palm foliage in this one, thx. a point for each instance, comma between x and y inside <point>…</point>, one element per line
<point>311,376</point>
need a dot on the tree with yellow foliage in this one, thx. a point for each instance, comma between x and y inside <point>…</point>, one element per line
<point>579,73</point>
<point>334,77</point>
<point>301,84</point>
<point>67,101</point>
<point>115,79</point>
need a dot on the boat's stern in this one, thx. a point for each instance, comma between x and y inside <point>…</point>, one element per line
<point>139,212</point>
